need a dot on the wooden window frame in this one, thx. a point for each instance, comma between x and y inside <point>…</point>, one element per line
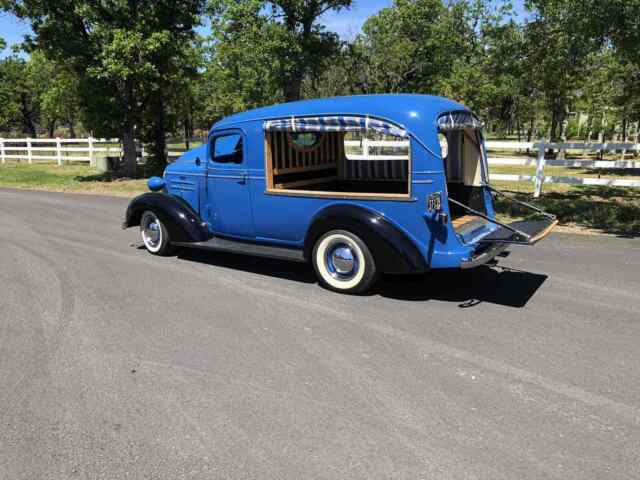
<point>271,188</point>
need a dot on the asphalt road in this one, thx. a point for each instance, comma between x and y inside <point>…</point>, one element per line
<point>116,364</point>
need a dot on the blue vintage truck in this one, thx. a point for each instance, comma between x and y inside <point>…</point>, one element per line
<point>356,186</point>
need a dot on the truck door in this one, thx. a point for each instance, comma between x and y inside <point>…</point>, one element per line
<point>229,200</point>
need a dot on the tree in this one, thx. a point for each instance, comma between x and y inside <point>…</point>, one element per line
<point>120,52</point>
<point>309,44</point>
<point>19,96</point>
<point>55,88</point>
<point>560,39</point>
<point>262,51</point>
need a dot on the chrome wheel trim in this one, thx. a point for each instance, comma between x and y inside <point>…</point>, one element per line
<point>324,257</point>
<point>151,231</point>
<point>341,261</point>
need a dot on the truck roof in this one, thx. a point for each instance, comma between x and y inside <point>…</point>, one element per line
<point>407,110</point>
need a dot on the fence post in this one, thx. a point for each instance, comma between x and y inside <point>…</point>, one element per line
<point>2,154</point>
<point>92,161</point>
<point>59,151</point>
<point>366,147</point>
<point>539,170</point>
<point>29,152</point>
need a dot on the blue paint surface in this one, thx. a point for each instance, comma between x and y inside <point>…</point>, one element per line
<point>231,197</point>
<point>156,184</point>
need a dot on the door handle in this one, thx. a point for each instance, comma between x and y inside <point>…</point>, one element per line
<point>243,179</point>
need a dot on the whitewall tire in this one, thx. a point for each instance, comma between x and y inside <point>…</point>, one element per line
<point>343,262</point>
<point>154,234</point>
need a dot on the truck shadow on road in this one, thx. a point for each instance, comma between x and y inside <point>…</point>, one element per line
<point>501,286</point>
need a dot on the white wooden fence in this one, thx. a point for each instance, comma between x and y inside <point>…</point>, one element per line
<point>63,150</point>
<point>56,149</point>
<point>90,149</point>
<point>539,179</point>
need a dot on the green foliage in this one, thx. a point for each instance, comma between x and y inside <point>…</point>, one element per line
<point>20,90</point>
<point>261,52</point>
<point>124,55</point>
<point>136,67</point>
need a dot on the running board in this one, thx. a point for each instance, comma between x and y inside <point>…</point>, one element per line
<point>247,248</point>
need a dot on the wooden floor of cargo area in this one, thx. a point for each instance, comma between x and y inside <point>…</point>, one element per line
<point>462,221</point>
<point>468,224</point>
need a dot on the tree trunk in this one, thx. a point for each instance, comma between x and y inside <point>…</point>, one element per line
<point>27,117</point>
<point>188,133</point>
<point>155,134</point>
<point>72,130</point>
<point>129,151</point>
<point>293,88</point>
<point>51,129</point>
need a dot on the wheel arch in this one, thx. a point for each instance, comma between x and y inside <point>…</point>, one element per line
<point>181,221</point>
<point>392,249</point>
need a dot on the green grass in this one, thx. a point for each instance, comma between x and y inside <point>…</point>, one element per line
<point>612,210</point>
<point>68,178</point>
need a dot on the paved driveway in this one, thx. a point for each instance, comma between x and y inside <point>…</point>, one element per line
<point>116,364</point>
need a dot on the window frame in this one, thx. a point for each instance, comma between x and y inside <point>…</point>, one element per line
<point>272,190</point>
<point>229,133</point>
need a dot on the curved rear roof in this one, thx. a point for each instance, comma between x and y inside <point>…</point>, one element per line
<point>411,111</point>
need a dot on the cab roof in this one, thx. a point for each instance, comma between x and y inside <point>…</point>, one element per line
<point>411,111</point>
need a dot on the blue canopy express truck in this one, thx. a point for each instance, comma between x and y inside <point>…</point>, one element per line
<point>356,186</point>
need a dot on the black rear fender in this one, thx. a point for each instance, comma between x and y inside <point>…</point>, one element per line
<point>392,250</point>
<point>181,221</point>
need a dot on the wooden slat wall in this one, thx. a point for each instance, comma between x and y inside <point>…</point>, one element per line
<point>377,170</point>
<point>285,158</point>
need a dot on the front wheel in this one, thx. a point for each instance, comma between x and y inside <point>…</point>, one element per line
<point>343,262</point>
<point>154,234</point>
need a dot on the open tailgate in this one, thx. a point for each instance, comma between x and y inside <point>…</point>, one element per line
<point>525,232</point>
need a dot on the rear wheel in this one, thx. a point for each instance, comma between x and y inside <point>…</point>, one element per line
<point>343,262</point>
<point>154,234</point>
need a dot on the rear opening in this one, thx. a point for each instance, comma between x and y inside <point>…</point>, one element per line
<point>462,155</point>
<point>467,185</point>
<point>344,159</point>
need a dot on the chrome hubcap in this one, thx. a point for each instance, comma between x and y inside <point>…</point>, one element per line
<point>151,231</point>
<point>341,262</point>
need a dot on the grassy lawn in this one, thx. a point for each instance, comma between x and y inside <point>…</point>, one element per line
<point>593,209</point>
<point>69,178</point>
<point>613,210</point>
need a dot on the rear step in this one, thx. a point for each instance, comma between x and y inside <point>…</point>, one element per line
<point>247,248</point>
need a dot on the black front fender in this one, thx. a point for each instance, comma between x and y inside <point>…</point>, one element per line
<point>393,251</point>
<point>181,221</point>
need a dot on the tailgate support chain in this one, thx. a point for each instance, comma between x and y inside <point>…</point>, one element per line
<point>524,204</point>
<point>520,235</point>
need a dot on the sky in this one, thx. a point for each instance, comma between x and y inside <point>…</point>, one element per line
<point>346,23</point>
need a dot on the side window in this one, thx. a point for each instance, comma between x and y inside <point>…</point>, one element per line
<point>227,148</point>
